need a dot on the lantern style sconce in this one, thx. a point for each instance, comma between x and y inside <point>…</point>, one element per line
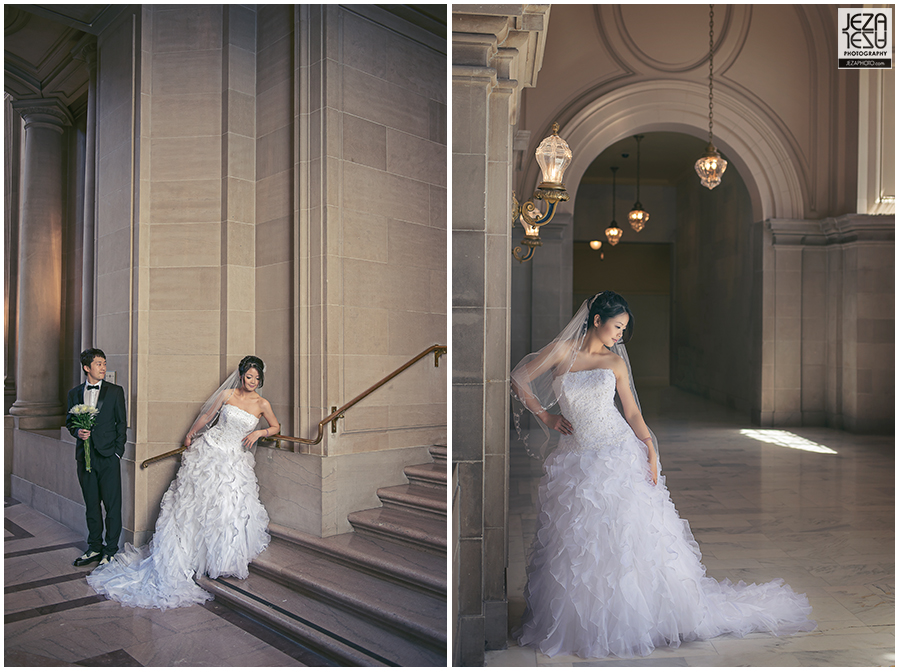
<point>613,232</point>
<point>553,156</point>
<point>638,217</point>
<point>711,165</point>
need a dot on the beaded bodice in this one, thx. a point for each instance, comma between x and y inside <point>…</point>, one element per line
<point>233,425</point>
<point>586,399</point>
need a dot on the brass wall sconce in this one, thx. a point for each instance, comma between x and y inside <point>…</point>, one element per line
<point>553,156</point>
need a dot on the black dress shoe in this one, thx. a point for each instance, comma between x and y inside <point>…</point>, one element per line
<point>106,559</point>
<point>87,558</point>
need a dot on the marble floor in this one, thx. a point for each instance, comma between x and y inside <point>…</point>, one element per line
<point>813,506</point>
<point>53,618</point>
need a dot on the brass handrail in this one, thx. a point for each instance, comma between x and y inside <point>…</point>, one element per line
<point>150,460</point>
<point>336,413</point>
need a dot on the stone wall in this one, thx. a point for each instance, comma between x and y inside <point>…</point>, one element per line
<point>350,251</point>
<point>270,98</point>
<point>869,347</point>
<point>712,292</point>
<point>269,180</point>
<point>189,254</point>
<point>829,323</point>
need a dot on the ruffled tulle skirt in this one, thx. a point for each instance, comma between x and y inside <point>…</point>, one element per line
<point>211,522</point>
<point>615,571</point>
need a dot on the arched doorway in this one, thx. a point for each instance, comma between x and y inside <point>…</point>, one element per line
<point>688,275</point>
<point>764,163</point>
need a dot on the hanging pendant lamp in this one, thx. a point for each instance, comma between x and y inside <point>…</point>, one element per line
<point>613,232</point>
<point>638,217</point>
<point>711,166</point>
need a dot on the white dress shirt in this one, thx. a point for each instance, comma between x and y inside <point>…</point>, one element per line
<point>91,396</point>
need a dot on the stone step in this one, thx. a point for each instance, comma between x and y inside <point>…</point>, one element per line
<point>402,608</point>
<point>426,572</point>
<point>427,500</point>
<point>438,454</point>
<point>323,626</point>
<point>432,475</point>
<point>405,527</point>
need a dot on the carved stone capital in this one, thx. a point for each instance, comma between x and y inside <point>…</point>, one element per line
<point>44,113</point>
<point>509,38</point>
<point>86,52</point>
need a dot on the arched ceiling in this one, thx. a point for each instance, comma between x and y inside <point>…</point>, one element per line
<point>666,159</point>
<point>41,49</point>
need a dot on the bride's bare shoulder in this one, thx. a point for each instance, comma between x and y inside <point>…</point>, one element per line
<point>615,362</point>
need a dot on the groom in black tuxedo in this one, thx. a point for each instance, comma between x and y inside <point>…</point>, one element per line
<point>103,483</point>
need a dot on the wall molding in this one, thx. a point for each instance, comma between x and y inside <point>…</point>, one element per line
<point>832,230</point>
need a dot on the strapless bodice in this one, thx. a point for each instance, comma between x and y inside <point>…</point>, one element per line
<point>587,400</point>
<point>233,425</point>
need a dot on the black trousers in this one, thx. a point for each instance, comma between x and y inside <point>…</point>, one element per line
<point>103,484</point>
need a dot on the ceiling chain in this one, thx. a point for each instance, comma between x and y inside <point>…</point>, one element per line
<point>710,74</point>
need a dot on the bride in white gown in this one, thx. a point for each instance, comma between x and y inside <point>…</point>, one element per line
<point>211,520</point>
<point>613,569</point>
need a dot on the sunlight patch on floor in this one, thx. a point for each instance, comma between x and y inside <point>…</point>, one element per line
<point>787,439</point>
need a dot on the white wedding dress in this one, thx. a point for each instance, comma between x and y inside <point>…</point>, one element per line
<point>614,570</point>
<point>210,522</point>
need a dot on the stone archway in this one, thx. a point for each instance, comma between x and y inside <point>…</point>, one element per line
<point>752,141</point>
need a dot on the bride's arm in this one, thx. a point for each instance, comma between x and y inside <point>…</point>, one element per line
<point>632,413</point>
<point>271,430</point>
<point>204,418</point>
<point>522,377</point>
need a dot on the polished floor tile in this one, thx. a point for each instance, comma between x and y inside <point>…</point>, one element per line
<point>813,506</point>
<point>53,618</point>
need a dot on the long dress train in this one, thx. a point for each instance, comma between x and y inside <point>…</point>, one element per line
<point>614,569</point>
<point>210,522</point>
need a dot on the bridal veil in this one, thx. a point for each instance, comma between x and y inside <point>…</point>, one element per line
<point>531,381</point>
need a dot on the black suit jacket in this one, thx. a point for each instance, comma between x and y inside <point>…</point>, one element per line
<point>108,434</point>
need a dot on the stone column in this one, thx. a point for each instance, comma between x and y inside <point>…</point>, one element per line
<point>494,56</point>
<point>12,147</point>
<point>551,281</point>
<point>37,403</point>
<point>89,55</point>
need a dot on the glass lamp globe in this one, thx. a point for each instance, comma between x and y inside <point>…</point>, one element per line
<point>638,217</point>
<point>613,233</point>
<point>596,244</point>
<point>553,156</point>
<point>710,167</point>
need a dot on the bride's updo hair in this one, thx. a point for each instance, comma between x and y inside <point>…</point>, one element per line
<point>608,305</point>
<point>253,362</point>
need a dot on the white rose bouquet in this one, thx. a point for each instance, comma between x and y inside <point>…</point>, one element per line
<point>83,417</point>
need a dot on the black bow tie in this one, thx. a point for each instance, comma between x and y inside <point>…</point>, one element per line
<point>93,387</point>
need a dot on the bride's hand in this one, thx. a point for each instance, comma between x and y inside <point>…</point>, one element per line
<point>558,422</point>
<point>251,438</point>
<point>654,474</point>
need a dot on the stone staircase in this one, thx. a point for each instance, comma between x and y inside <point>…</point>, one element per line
<point>374,596</point>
